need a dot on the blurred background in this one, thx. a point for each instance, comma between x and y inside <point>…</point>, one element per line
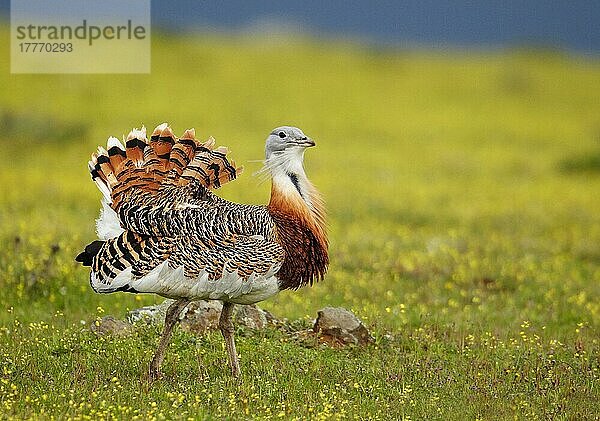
<point>438,24</point>
<point>546,24</point>
<point>458,149</point>
<point>458,152</point>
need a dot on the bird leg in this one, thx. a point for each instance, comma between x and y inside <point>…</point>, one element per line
<point>171,319</point>
<point>226,326</point>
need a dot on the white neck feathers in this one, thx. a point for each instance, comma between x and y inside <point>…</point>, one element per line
<point>288,176</point>
<point>292,192</point>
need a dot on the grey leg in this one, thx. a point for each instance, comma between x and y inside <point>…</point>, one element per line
<point>171,319</point>
<point>226,326</point>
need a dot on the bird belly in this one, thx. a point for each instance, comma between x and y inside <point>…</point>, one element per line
<point>260,290</point>
<point>172,283</point>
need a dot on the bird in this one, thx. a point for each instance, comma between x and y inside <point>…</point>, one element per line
<point>163,230</point>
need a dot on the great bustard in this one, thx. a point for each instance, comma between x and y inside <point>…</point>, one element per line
<point>161,230</point>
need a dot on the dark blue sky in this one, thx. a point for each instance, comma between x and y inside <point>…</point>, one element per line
<point>572,25</point>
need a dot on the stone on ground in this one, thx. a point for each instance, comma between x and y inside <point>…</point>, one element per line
<point>201,316</point>
<point>341,326</point>
<point>108,325</point>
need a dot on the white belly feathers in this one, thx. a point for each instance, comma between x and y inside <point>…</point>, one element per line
<point>172,283</point>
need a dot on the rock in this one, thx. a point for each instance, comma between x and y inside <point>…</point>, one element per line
<point>341,325</point>
<point>150,314</point>
<point>252,317</point>
<point>201,316</point>
<point>108,325</point>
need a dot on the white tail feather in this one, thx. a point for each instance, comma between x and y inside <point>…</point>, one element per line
<point>107,224</point>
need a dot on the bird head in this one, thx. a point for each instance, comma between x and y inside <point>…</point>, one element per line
<point>287,141</point>
<point>284,162</point>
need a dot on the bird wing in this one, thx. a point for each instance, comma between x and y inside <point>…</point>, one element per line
<point>192,210</point>
<point>165,232</point>
<point>185,266</point>
<point>162,185</point>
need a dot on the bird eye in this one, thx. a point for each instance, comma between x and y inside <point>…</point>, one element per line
<point>281,134</point>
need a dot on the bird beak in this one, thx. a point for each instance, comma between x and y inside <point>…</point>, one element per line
<point>307,142</point>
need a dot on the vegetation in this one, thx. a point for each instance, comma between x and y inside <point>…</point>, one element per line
<point>464,231</point>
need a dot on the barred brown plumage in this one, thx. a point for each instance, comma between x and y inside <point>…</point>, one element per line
<point>164,231</point>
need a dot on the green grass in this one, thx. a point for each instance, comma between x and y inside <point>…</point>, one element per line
<point>464,221</point>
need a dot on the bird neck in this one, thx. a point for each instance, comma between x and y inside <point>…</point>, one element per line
<point>292,192</point>
<point>299,215</point>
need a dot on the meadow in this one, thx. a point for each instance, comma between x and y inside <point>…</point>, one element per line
<point>464,219</point>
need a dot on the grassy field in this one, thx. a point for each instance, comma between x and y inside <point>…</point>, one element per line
<point>464,211</point>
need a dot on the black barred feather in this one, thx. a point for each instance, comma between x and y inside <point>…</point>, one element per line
<point>210,166</point>
<point>162,229</point>
<point>180,156</point>
<point>164,160</point>
<point>86,257</point>
<point>244,255</point>
<point>160,190</point>
<point>170,234</point>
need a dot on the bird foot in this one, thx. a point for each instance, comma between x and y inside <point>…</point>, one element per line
<point>236,373</point>
<point>154,373</point>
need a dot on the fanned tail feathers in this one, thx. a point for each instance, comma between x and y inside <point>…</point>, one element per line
<point>164,160</point>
